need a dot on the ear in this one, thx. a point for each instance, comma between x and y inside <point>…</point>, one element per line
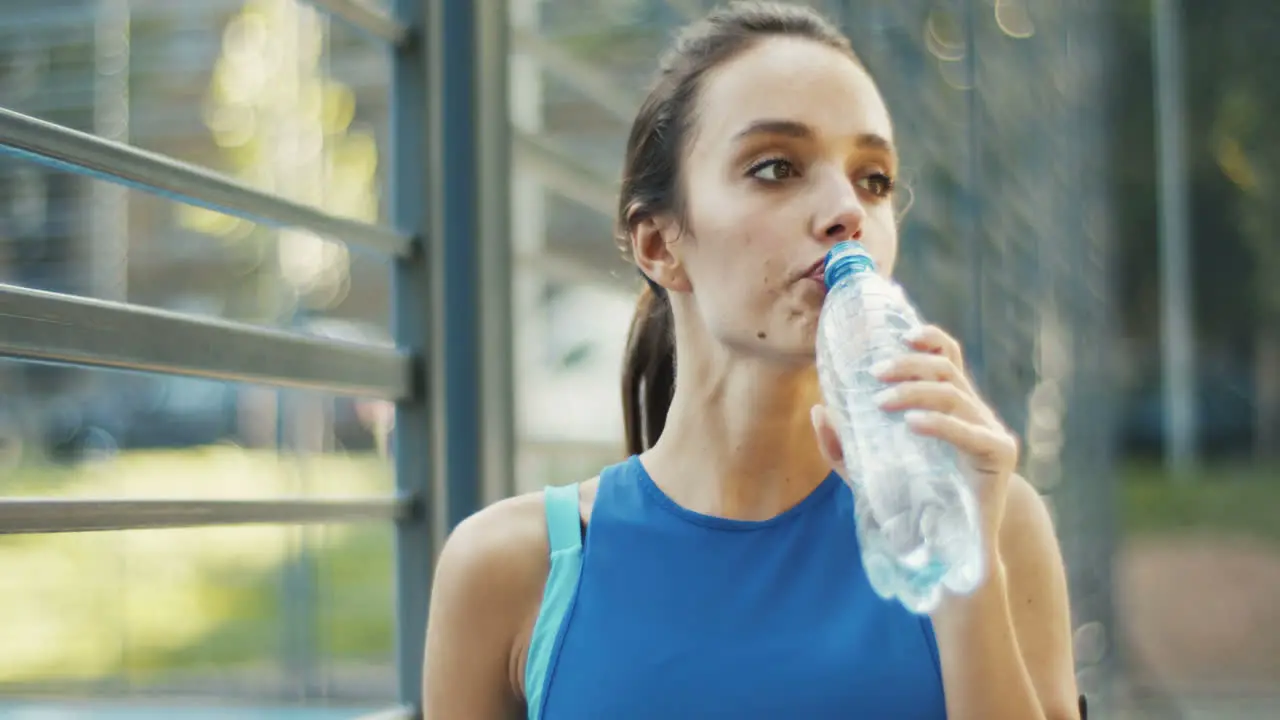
<point>653,244</point>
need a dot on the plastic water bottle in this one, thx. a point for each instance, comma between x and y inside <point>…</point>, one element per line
<point>917,517</point>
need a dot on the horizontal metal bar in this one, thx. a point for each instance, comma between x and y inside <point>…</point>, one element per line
<point>43,515</point>
<point>395,713</point>
<point>37,325</point>
<point>370,20</point>
<point>82,153</point>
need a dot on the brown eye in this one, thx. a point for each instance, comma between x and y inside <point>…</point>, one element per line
<point>773,170</point>
<point>878,184</point>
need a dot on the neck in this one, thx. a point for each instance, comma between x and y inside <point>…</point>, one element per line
<point>738,441</point>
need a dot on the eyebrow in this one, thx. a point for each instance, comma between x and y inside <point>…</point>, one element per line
<point>791,128</point>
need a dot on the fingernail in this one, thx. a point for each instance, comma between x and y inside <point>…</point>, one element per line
<point>915,335</point>
<point>915,417</point>
<point>882,368</point>
<point>886,397</point>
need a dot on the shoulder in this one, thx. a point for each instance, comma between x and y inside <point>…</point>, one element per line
<point>484,600</point>
<point>489,581</point>
<point>505,547</point>
<point>487,590</point>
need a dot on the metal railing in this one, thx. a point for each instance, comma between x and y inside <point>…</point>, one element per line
<point>94,333</point>
<point>79,152</point>
<point>449,371</point>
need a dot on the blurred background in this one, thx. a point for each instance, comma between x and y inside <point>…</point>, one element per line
<point>1095,207</point>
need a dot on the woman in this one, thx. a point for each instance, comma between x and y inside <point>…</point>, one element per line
<point>715,574</point>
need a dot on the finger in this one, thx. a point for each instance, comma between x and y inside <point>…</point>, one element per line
<point>828,438</point>
<point>920,366</point>
<point>933,339</point>
<point>943,397</point>
<point>991,450</point>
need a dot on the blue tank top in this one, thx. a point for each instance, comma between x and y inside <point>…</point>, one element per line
<point>667,613</point>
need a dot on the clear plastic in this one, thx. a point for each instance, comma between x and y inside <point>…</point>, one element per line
<point>917,517</point>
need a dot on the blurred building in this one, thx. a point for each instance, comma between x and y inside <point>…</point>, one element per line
<point>1019,233</point>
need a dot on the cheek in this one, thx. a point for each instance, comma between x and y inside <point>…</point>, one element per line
<point>749,278</point>
<point>743,280</point>
<point>881,239</point>
<point>744,252</point>
<point>761,267</point>
<point>744,246</point>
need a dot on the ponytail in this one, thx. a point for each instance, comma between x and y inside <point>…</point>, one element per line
<point>649,370</point>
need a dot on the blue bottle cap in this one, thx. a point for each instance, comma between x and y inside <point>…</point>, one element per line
<point>846,258</point>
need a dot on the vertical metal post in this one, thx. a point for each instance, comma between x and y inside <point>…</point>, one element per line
<point>293,178</point>
<point>1087,496</point>
<point>412,441</point>
<point>972,337</point>
<point>493,205</point>
<point>1177,338</point>
<point>451,241</point>
<point>528,202</point>
<point>298,599</point>
<point>448,153</point>
<point>108,232</point>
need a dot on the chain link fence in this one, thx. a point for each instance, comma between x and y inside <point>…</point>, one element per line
<point>1000,108</point>
<point>999,111</point>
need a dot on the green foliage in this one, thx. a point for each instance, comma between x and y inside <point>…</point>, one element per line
<point>1233,163</point>
<point>1224,501</point>
<point>155,605</point>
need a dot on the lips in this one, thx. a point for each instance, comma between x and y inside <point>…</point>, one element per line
<point>816,270</point>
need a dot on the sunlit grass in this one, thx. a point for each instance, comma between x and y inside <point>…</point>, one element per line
<point>1240,500</point>
<point>136,603</point>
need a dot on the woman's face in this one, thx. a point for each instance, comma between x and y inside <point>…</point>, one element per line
<point>791,152</point>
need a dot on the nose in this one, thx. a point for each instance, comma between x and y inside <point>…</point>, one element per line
<point>840,214</point>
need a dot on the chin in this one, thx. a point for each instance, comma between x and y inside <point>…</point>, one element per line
<point>798,350</point>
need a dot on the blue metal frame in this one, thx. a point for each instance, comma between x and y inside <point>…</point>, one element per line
<point>452,441</point>
<point>413,439</point>
<point>450,374</point>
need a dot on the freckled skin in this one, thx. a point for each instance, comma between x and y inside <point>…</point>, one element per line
<point>746,242</point>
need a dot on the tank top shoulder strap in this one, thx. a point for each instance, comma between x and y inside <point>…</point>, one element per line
<point>564,533</point>
<point>564,522</point>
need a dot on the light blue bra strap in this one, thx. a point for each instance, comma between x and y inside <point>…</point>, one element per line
<point>564,523</point>
<point>564,531</point>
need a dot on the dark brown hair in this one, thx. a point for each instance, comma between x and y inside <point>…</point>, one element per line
<point>651,181</point>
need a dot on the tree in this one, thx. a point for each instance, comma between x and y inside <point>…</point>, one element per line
<point>1233,88</point>
<point>1234,179</point>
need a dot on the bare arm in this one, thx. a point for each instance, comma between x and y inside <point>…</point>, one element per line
<point>1039,601</point>
<point>1006,649</point>
<point>484,601</point>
